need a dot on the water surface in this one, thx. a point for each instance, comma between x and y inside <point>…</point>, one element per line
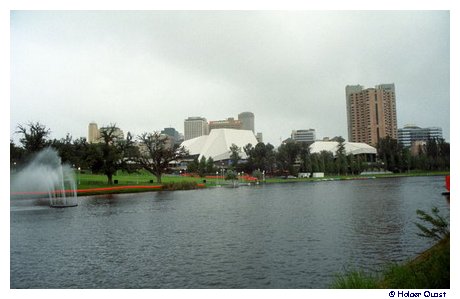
<point>274,236</point>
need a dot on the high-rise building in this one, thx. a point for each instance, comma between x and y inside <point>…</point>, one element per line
<point>229,123</point>
<point>411,133</point>
<point>195,127</point>
<point>93,133</point>
<point>371,113</point>
<point>304,135</point>
<point>247,121</point>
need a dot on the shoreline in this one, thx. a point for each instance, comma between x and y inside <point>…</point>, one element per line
<point>193,185</point>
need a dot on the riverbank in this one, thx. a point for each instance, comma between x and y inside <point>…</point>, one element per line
<point>95,184</point>
<point>429,270</point>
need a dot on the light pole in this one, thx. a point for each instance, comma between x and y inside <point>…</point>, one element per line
<point>217,180</point>
<point>263,176</point>
<point>79,169</point>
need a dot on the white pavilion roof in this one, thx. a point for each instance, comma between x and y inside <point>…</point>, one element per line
<point>217,144</point>
<point>354,148</point>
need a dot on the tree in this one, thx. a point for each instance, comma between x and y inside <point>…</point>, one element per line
<point>286,157</point>
<point>202,167</point>
<point>156,152</point>
<point>193,166</point>
<point>390,153</point>
<point>235,154</point>
<point>114,153</point>
<point>210,168</point>
<point>65,149</point>
<point>341,158</point>
<point>305,158</point>
<point>16,155</point>
<point>34,137</point>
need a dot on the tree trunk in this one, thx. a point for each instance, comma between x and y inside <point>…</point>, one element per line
<point>109,179</point>
<point>158,175</point>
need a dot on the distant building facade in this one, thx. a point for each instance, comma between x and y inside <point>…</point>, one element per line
<point>195,127</point>
<point>371,113</point>
<point>93,133</point>
<point>304,135</point>
<point>247,121</point>
<point>411,133</point>
<point>229,123</point>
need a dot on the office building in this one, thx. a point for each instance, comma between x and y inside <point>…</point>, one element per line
<point>303,135</point>
<point>371,113</point>
<point>229,123</point>
<point>93,133</point>
<point>411,133</point>
<point>247,121</point>
<point>195,127</point>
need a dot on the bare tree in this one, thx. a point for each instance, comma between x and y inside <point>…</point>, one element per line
<point>156,152</point>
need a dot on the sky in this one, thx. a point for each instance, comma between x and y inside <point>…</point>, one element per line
<point>147,70</point>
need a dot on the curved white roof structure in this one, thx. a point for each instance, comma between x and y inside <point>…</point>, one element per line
<point>217,144</point>
<point>350,147</point>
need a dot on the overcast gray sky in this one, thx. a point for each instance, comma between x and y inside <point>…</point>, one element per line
<point>152,69</point>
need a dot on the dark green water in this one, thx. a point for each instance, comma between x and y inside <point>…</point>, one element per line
<point>274,236</point>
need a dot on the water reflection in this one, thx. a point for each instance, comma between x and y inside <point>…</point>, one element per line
<point>273,236</point>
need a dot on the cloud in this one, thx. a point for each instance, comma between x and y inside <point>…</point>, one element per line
<point>149,70</point>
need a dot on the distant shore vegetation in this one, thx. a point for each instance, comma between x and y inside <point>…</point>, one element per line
<point>152,154</point>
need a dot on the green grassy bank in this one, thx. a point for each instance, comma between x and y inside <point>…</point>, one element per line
<point>429,270</point>
<point>175,182</point>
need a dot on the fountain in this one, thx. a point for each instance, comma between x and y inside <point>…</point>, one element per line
<point>46,176</point>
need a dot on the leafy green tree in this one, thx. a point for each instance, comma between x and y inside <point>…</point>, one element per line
<point>257,174</point>
<point>202,167</point>
<point>235,157</point>
<point>305,158</point>
<point>210,168</point>
<point>326,161</point>
<point>390,153</point>
<point>156,152</point>
<point>114,153</point>
<point>16,155</point>
<point>286,157</point>
<point>230,175</point>
<point>193,166</point>
<point>341,158</point>
<point>315,165</point>
<point>34,137</point>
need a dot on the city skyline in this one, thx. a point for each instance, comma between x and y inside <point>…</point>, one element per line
<point>146,71</point>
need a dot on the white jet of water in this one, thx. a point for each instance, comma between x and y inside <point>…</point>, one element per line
<point>45,174</point>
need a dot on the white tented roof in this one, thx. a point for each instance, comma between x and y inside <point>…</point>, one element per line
<point>217,144</point>
<point>350,147</point>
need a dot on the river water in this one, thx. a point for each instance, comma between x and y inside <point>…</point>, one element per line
<point>292,235</point>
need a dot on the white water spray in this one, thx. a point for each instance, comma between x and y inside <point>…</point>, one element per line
<point>46,175</point>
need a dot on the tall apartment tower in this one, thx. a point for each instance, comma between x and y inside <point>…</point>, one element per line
<point>247,121</point>
<point>93,133</point>
<point>195,127</point>
<point>371,113</point>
